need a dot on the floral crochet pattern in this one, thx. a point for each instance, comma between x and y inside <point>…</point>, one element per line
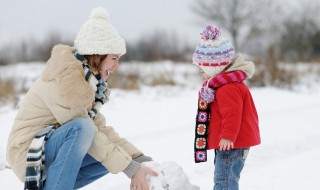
<point>201,155</point>
<point>201,129</point>
<point>202,116</point>
<point>203,105</point>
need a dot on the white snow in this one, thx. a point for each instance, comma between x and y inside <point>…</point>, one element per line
<point>160,122</point>
<point>170,176</point>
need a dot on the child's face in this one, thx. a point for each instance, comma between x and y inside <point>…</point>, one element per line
<point>203,74</point>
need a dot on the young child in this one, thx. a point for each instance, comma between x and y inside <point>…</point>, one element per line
<point>227,119</point>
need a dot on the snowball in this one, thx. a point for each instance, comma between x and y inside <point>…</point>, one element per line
<point>170,177</point>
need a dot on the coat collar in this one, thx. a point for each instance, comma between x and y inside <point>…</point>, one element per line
<point>240,64</point>
<point>64,69</point>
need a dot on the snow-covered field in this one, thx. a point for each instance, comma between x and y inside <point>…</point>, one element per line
<point>160,121</point>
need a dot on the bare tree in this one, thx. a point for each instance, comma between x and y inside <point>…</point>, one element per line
<point>236,16</point>
<point>4,58</point>
<point>300,36</point>
<point>159,45</point>
<point>42,50</point>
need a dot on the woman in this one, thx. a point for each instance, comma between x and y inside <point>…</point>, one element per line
<point>60,119</point>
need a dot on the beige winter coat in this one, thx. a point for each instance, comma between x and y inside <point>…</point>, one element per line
<point>59,95</point>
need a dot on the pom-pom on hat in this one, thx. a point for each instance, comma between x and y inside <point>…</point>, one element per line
<point>98,36</point>
<point>214,53</point>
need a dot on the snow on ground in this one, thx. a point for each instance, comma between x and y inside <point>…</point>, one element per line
<point>160,121</point>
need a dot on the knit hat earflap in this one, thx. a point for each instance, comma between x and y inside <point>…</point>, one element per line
<point>98,36</point>
<point>214,53</point>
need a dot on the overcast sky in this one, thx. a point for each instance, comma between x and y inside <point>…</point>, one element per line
<point>34,19</point>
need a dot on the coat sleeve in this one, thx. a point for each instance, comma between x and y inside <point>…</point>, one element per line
<point>115,138</point>
<point>64,109</point>
<point>230,103</point>
<point>111,155</point>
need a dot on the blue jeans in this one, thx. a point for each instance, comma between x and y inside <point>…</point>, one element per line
<point>67,164</point>
<point>228,166</point>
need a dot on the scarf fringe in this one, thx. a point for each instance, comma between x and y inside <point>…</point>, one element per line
<point>36,158</point>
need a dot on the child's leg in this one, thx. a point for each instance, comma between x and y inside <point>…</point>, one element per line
<point>228,166</point>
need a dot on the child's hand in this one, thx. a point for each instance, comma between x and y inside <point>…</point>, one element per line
<point>225,144</point>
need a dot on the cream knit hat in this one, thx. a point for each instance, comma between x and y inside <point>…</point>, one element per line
<point>98,36</point>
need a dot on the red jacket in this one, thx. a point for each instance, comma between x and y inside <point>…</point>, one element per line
<point>234,117</point>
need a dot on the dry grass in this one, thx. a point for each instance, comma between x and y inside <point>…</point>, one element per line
<point>270,72</point>
<point>7,90</point>
<point>134,81</point>
<point>127,82</point>
<point>162,81</point>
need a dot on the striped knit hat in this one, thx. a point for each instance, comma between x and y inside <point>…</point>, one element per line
<point>214,53</point>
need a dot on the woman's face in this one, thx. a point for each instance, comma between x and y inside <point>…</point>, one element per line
<point>109,65</point>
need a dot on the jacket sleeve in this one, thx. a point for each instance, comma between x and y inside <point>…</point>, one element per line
<point>64,109</point>
<point>230,103</point>
<point>103,149</point>
<point>112,156</point>
<point>114,137</point>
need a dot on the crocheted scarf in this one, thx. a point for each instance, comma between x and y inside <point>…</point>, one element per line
<point>36,153</point>
<point>206,96</point>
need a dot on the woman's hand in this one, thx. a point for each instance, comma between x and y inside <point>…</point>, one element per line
<point>138,180</point>
<point>225,144</point>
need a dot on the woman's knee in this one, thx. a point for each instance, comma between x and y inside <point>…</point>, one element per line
<point>85,126</point>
